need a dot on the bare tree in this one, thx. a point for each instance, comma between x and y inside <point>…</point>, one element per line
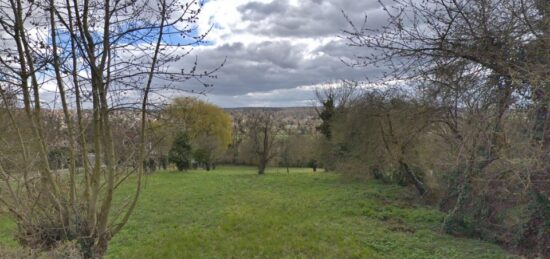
<point>100,56</point>
<point>262,128</point>
<point>237,136</point>
<point>486,64</point>
<point>504,38</point>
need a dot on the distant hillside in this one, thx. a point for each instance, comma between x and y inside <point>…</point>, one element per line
<point>303,118</point>
<point>298,112</point>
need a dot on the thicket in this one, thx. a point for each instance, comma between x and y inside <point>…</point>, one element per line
<point>462,114</point>
<point>493,185</point>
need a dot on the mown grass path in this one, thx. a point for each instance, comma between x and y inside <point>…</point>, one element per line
<point>234,213</point>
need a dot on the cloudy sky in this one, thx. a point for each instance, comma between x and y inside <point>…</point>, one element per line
<point>278,51</point>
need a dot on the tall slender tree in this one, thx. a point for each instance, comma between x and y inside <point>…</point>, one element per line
<point>99,55</point>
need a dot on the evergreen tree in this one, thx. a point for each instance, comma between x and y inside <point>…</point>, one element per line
<point>180,153</point>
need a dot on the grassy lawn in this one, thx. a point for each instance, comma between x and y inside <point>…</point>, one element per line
<point>234,213</point>
<point>6,227</point>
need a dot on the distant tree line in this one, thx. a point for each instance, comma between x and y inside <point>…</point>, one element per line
<point>264,137</point>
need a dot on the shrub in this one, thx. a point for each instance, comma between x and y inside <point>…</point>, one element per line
<point>180,154</point>
<point>58,158</point>
<point>66,250</point>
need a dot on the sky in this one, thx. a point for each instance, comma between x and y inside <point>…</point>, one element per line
<point>276,52</point>
<point>279,51</point>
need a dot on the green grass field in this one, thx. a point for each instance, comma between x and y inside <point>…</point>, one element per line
<point>234,213</point>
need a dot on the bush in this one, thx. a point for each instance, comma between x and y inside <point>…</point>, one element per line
<point>202,157</point>
<point>150,165</point>
<point>58,158</point>
<point>180,154</point>
<point>313,164</point>
<point>68,250</point>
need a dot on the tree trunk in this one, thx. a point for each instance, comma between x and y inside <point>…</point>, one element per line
<point>536,230</point>
<point>412,176</point>
<point>541,131</point>
<point>261,167</point>
<point>99,249</point>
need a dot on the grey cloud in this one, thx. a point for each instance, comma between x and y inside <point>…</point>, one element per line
<point>278,67</point>
<point>277,98</point>
<point>310,18</point>
<point>257,11</point>
<point>281,54</point>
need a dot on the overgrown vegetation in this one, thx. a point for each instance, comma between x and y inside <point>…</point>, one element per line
<point>462,114</point>
<point>407,140</point>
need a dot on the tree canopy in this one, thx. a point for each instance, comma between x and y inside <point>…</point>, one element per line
<point>208,127</point>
